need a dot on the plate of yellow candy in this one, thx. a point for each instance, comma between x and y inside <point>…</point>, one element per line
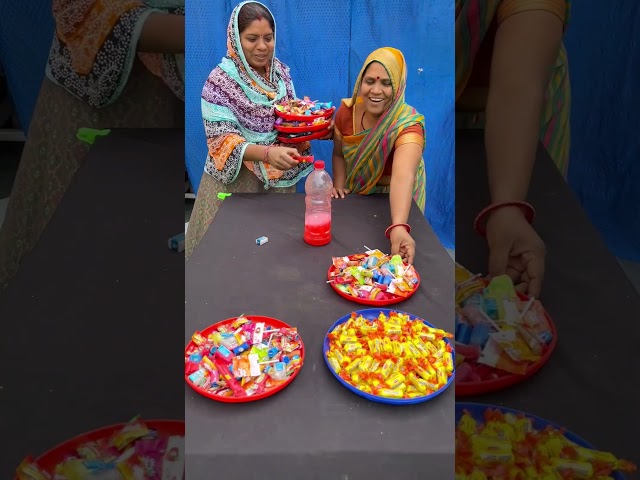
<point>389,356</point>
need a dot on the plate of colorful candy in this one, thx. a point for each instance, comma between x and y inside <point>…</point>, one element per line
<point>304,110</point>
<point>502,337</point>
<point>243,359</point>
<point>316,125</point>
<point>373,278</point>
<point>497,442</point>
<point>390,357</point>
<point>137,449</point>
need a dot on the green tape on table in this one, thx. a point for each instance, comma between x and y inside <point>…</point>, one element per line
<point>88,135</point>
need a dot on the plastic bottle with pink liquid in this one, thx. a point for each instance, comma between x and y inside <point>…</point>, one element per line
<point>317,218</point>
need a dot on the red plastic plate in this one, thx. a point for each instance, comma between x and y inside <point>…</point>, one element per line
<point>305,138</point>
<point>302,128</point>
<point>269,322</point>
<point>506,379</point>
<point>364,301</point>
<point>50,459</point>
<point>304,118</point>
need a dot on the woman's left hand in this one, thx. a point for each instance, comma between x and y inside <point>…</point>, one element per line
<point>329,136</point>
<point>402,244</point>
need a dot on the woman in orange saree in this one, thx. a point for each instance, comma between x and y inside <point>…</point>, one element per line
<point>378,144</point>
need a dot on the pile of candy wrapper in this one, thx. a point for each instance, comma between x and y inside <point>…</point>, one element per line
<point>281,122</point>
<point>136,452</point>
<point>507,446</point>
<point>373,276</point>
<point>243,358</point>
<point>497,334</point>
<point>393,357</point>
<point>304,107</point>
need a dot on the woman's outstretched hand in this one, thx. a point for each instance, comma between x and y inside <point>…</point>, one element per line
<point>515,249</point>
<point>402,244</point>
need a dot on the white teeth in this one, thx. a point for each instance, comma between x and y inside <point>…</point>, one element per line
<point>376,99</point>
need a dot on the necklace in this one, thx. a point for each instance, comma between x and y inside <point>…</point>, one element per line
<point>362,120</point>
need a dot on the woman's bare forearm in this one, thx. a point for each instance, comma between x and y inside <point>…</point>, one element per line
<point>403,177</point>
<point>339,171</point>
<point>400,197</point>
<point>254,153</point>
<point>338,164</point>
<point>511,139</point>
<point>526,47</point>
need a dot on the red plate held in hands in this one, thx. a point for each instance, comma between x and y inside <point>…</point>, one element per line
<point>304,118</point>
<point>305,138</point>
<point>302,128</point>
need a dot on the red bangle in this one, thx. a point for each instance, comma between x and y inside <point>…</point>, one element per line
<point>480,222</point>
<point>265,159</point>
<point>387,232</point>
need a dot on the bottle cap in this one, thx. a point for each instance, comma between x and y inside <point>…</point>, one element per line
<point>319,164</point>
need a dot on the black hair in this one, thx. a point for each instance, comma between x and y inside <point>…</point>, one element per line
<point>254,11</point>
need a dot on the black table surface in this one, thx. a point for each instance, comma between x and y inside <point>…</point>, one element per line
<point>315,428</point>
<point>590,384</point>
<point>92,323</point>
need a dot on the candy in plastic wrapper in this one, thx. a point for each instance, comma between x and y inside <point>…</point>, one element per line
<point>29,470</point>
<point>147,461</point>
<point>131,432</point>
<point>198,339</point>
<point>173,463</point>
<point>390,393</point>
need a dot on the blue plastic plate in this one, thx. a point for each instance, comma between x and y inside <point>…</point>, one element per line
<point>372,314</point>
<point>477,412</point>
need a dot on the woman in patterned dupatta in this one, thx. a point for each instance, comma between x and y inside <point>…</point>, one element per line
<point>512,80</point>
<point>112,64</point>
<point>378,144</point>
<point>238,102</point>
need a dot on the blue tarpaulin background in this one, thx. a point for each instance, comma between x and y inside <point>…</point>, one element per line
<point>603,44</point>
<point>325,43</point>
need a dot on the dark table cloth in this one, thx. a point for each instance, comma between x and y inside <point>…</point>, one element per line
<point>590,384</point>
<point>315,428</point>
<point>92,323</point>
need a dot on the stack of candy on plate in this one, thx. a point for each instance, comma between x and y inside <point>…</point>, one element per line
<point>392,357</point>
<point>303,106</point>
<point>299,119</point>
<point>280,122</point>
<point>133,453</point>
<point>497,334</point>
<point>374,276</point>
<point>243,358</point>
<point>507,446</point>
